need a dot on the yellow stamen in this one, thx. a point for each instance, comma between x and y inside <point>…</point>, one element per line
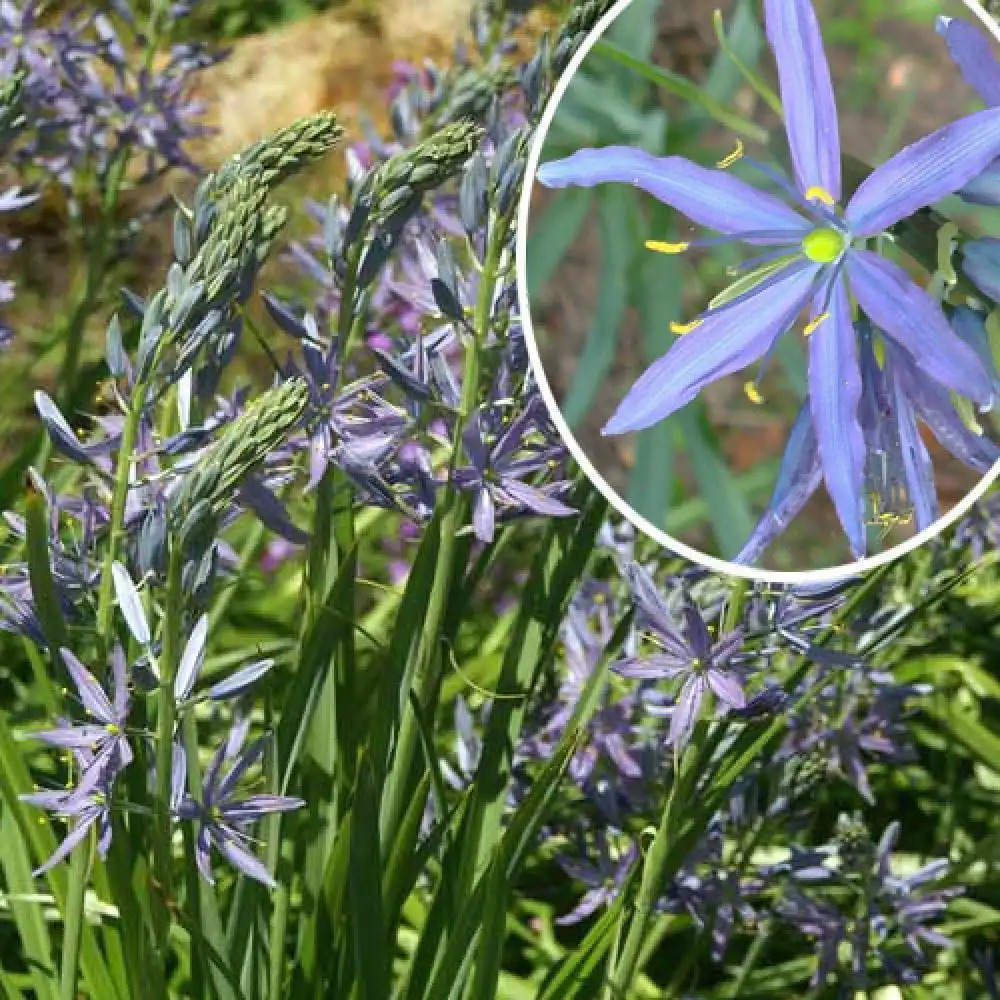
<point>661,247</point>
<point>682,328</point>
<point>736,154</point>
<point>753,393</point>
<point>820,194</point>
<point>812,327</point>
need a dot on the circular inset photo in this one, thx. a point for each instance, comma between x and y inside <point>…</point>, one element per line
<point>759,257</point>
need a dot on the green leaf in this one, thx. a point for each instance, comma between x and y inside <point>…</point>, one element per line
<point>46,600</point>
<point>680,86</point>
<point>27,913</point>
<point>552,234</point>
<point>374,960</point>
<point>489,954</point>
<point>729,514</point>
<point>618,240</point>
<point>579,976</point>
<point>656,294</point>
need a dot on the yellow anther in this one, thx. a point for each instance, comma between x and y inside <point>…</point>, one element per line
<point>682,328</point>
<point>820,194</point>
<point>736,154</point>
<point>814,325</point>
<point>661,247</point>
<point>753,392</point>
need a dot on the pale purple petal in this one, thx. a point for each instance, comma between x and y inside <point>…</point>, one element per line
<point>178,776</point>
<point>798,478</point>
<point>254,807</point>
<point>936,410</point>
<point>972,50</point>
<point>72,736</point>
<point>484,516</point>
<point>723,343</point>
<point>74,837</point>
<point>119,671</point>
<point>917,466</point>
<point>685,712</point>
<point>834,393</point>
<point>652,611</point>
<point>931,169</point>
<point>244,861</point>
<point>592,899</point>
<point>535,500</point>
<point>726,687</point>
<point>712,198</point>
<point>981,265</point>
<point>238,682</point>
<point>254,752</point>
<point>697,633</point>
<point>984,189</point>
<point>130,604</point>
<point>916,323</point>
<point>92,696</point>
<point>191,659</point>
<point>806,94</point>
<point>654,667</point>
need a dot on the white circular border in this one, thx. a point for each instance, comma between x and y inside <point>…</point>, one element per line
<point>834,573</point>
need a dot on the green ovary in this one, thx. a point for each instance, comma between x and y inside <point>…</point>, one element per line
<point>824,245</point>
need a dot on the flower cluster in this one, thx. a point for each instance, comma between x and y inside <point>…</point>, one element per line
<point>869,381</point>
<point>841,718</point>
<point>94,93</point>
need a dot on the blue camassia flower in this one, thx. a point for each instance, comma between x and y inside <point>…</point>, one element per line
<point>815,259</point>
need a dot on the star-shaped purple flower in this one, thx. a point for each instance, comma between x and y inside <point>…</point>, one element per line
<point>815,258</point>
<point>223,816</point>
<point>686,652</point>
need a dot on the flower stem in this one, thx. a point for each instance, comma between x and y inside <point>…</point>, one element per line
<point>423,676</point>
<point>116,527</point>
<point>650,887</point>
<point>166,715</point>
<point>73,920</point>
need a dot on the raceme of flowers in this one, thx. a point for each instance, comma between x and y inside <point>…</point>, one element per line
<point>400,389</point>
<point>825,258</point>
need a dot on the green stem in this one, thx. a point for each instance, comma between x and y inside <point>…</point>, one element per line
<point>166,716</point>
<point>650,887</point>
<point>73,920</point>
<point>425,678</point>
<point>116,528</point>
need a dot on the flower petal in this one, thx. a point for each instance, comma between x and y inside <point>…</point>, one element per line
<point>798,478</point>
<point>243,861</point>
<point>919,175</point>
<point>936,410</point>
<point>484,516</point>
<point>917,467</point>
<point>984,189</point>
<point>685,713</point>
<point>972,51</point>
<point>970,325</point>
<point>806,93</point>
<point>656,666</point>
<point>723,343</point>
<point>726,687</point>
<point>981,265</point>
<point>834,393</point>
<point>711,198</point>
<point>92,696</point>
<point>916,323</point>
